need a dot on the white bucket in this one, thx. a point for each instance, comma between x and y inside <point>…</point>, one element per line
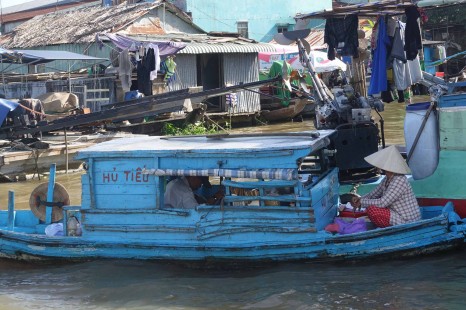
<point>424,159</point>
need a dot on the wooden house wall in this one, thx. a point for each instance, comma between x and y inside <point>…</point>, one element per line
<point>22,90</point>
<point>8,27</point>
<point>240,68</point>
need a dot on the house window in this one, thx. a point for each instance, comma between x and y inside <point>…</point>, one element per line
<point>282,28</point>
<point>243,29</point>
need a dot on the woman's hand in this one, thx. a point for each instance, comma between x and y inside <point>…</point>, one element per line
<point>356,202</point>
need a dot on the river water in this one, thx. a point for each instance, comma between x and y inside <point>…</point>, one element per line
<point>430,282</point>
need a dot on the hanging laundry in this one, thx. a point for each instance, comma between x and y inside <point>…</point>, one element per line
<point>142,50</point>
<point>398,51</point>
<point>169,66</point>
<point>374,35</point>
<point>413,41</point>
<point>231,100</point>
<point>442,54</point>
<point>153,74</point>
<point>125,70</point>
<point>341,34</point>
<point>378,80</point>
<point>406,72</point>
<point>145,66</point>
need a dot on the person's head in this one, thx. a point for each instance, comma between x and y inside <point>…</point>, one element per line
<point>389,160</point>
<point>194,182</point>
<point>389,174</point>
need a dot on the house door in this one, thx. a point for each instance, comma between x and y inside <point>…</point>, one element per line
<point>210,76</point>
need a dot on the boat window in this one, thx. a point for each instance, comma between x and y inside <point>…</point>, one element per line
<point>260,192</point>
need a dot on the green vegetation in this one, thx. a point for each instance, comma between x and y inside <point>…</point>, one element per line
<point>170,129</point>
<point>450,15</point>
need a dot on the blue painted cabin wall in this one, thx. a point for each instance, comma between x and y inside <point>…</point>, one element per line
<point>262,16</point>
<point>118,200</point>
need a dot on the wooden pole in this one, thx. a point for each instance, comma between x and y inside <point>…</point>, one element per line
<point>50,191</point>
<point>11,210</point>
<point>66,152</point>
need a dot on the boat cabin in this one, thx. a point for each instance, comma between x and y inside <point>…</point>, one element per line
<point>273,184</point>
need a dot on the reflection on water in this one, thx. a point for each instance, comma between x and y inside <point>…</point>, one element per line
<point>436,282</point>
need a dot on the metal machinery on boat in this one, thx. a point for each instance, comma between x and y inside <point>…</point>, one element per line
<point>281,190</point>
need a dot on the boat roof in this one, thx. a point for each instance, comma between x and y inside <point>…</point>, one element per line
<point>218,144</point>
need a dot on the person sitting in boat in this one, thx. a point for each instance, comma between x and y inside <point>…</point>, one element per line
<point>392,202</point>
<point>179,193</point>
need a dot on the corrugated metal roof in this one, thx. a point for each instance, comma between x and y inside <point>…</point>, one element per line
<point>209,48</point>
<point>210,43</point>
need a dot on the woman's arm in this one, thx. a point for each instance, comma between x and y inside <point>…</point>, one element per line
<point>393,192</point>
<point>376,192</point>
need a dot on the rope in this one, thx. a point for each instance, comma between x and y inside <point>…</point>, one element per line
<point>32,111</point>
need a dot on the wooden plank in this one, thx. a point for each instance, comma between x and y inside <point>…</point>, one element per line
<point>97,99</point>
<point>141,107</point>
<point>98,90</point>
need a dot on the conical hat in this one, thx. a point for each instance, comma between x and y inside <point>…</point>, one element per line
<point>39,195</point>
<point>389,159</point>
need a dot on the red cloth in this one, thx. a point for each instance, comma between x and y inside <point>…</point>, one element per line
<point>350,213</point>
<point>333,228</point>
<point>379,216</point>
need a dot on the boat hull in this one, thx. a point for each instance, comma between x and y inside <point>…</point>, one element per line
<point>426,236</point>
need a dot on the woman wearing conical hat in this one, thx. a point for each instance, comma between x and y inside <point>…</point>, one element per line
<point>392,202</point>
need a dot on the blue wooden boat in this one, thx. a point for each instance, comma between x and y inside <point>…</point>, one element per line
<point>123,215</point>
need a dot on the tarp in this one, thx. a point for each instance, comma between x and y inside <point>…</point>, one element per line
<point>41,56</point>
<point>275,173</point>
<point>44,56</point>
<point>166,48</point>
<point>5,107</point>
<point>9,56</point>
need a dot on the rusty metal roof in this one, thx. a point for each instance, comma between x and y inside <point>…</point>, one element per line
<point>80,25</point>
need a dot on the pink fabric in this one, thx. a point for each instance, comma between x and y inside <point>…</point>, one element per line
<point>352,227</point>
<point>344,227</point>
<point>333,228</point>
<point>379,216</point>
